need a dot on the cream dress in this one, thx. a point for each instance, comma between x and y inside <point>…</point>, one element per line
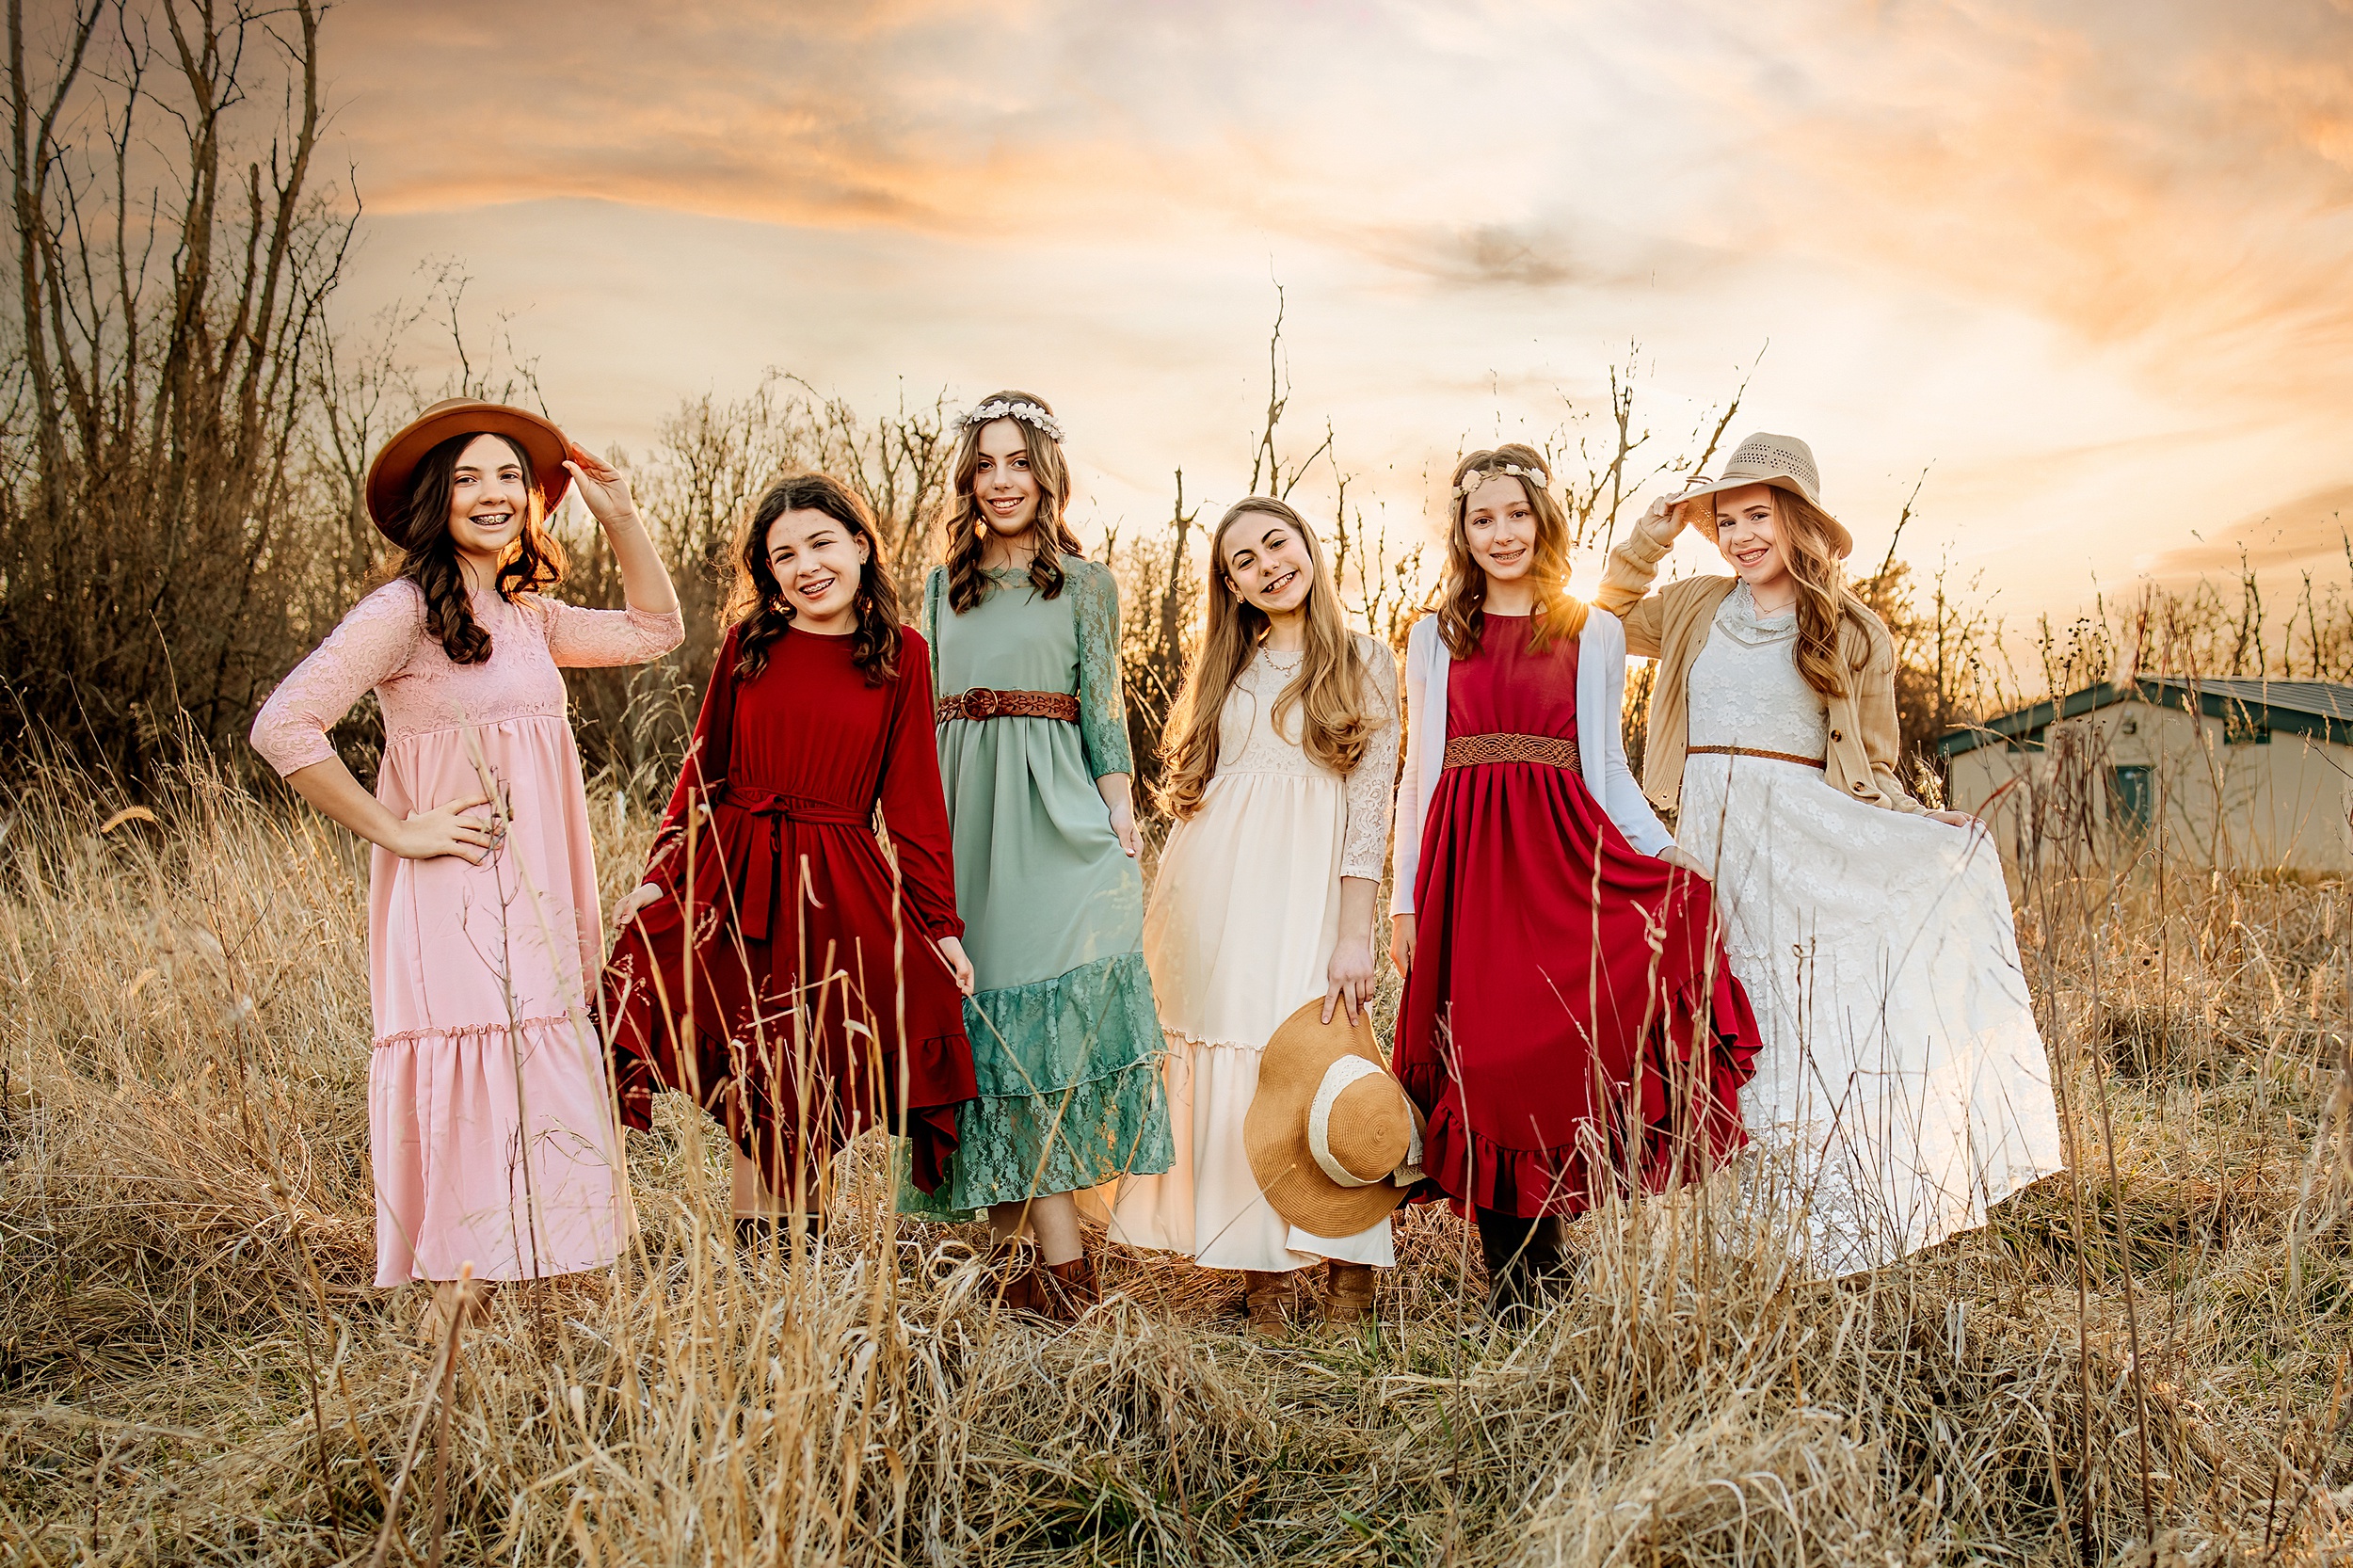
<point>1244,915</point>
<point>1902,1086</point>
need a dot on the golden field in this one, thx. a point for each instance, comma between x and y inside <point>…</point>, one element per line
<point>2144,1360</point>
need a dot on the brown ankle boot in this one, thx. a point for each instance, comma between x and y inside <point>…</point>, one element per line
<point>1270,1296</point>
<point>1020,1286</point>
<point>1070,1288</point>
<point>1347,1291</point>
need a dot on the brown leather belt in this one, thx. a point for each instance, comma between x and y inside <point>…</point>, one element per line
<point>1751,751</point>
<point>1470,751</point>
<point>982,703</point>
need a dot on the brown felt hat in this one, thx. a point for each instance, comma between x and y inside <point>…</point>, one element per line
<point>1332,1138</point>
<point>394,465</point>
<point>1783,462</point>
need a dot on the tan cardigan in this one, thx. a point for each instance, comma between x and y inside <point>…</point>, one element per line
<point>1671,625</point>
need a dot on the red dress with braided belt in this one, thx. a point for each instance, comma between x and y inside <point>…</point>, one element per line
<point>1571,1025</point>
<point>819,1005</point>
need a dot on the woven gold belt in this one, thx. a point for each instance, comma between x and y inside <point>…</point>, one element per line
<point>982,703</point>
<point>1751,751</point>
<point>1470,751</point>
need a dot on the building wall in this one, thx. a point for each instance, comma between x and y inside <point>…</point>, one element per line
<point>2278,805</point>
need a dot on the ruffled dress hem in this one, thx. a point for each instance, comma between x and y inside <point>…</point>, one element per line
<point>1677,1145</point>
<point>1088,1093</point>
<point>931,1128</point>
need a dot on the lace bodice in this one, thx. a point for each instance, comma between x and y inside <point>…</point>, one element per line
<point>1248,742</point>
<point>381,645</point>
<point>1745,686</point>
<point>1015,641</point>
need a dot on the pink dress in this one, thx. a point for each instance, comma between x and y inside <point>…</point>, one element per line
<point>490,1121</point>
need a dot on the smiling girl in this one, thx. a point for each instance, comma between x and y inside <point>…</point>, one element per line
<point>774,964</point>
<point>1279,763</point>
<point>1903,1086</point>
<point>489,1125</point>
<point>1569,1025</point>
<point>1033,754</point>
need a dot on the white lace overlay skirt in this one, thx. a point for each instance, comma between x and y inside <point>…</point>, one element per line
<point>1903,1087</point>
<point>1245,913</point>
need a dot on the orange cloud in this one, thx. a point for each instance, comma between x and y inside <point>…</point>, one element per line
<point>2310,529</point>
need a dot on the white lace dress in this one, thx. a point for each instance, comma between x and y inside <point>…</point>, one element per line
<point>1244,914</point>
<point>1902,1087</point>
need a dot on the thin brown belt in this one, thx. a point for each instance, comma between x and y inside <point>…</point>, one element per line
<point>982,703</point>
<point>1470,751</point>
<point>1751,751</point>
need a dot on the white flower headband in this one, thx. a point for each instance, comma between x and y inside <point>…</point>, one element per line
<point>1027,412</point>
<point>1479,477</point>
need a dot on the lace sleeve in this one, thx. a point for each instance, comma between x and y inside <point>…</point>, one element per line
<point>581,638</point>
<point>1422,652</point>
<point>1102,700</point>
<point>1371,789</point>
<point>367,648</point>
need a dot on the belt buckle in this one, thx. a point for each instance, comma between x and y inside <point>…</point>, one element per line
<point>981,703</point>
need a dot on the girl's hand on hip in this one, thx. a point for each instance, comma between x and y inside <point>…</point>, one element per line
<point>633,903</point>
<point>1956,819</point>
<point>1124,825</point>
<point>952,951</point>
<point>1402,943</point>
<point>447,830</point>
<point>1348,977</point>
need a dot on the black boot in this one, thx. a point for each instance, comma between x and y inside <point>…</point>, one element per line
<point>1523,1261</point>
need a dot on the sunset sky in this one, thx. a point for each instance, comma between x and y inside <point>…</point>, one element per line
<point>2087,266</point>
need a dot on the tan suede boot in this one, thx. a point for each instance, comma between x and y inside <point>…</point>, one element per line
<point>1347,1291</point>
<point>1270,1296</point>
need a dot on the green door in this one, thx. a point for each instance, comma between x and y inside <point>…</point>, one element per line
<point>2131,795</point>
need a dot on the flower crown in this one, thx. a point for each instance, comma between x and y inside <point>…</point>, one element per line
<point>1027,412</point>
<point>1479,477</point>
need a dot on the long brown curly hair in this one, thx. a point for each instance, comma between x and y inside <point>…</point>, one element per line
<point>1463,591</point>
<point>429,555</point>
<point>761,614</point>
<point>964,532</point>
<point>1824,601</point>
<point>1328,689</point>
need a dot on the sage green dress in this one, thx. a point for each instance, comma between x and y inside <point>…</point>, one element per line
<point>1066,1039</point>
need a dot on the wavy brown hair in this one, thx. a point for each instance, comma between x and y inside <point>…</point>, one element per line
<point>1461,598</point>
<point>1824,601</point>
<point>1329,688</point>
<point>429,555</point>
<point>964,533</point>
<point>761,614</point>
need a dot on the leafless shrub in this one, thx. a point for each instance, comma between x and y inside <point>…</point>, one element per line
<point>172,261</point>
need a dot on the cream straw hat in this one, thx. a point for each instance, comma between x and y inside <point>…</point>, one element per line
<point>1783,461</point>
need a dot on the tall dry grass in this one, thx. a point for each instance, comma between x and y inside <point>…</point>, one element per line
<point>195,1368</point>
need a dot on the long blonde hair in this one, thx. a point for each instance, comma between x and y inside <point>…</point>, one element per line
<point>1328,691</point>
<point>963,534</point>
<point>1463,591</point>
<point>1824,600</point>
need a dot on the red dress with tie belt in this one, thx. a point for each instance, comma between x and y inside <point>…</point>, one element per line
<point>1571,1026</point>
<point>819,1005</point>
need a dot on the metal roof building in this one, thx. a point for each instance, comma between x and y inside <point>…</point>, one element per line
<point>2226,770</point>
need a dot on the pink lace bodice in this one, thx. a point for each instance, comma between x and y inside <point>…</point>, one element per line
<point>381,646</point>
